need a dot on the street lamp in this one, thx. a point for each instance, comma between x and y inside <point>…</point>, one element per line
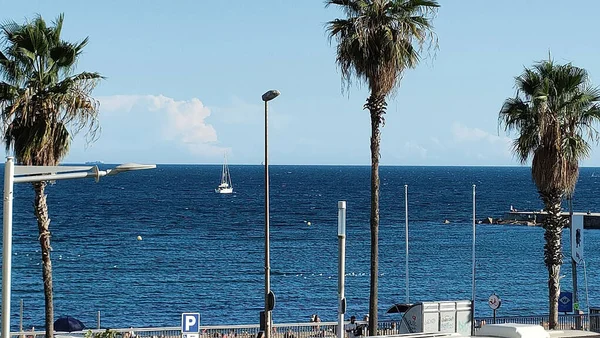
<point>341,266</point>
<point>24,174</point>
<point>269,297</point>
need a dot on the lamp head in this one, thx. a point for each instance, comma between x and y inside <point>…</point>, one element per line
<point>130,167</point>
<point>270,95</point>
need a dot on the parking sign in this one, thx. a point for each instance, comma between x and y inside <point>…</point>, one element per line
<point>190,324</point>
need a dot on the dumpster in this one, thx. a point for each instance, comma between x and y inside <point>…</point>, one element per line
<point>447,316</point>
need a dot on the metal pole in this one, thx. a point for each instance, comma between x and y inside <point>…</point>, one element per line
<point>267,257</point>
<point>573,265</point>
<point>21,316</point>
<point>98,320</point>
<point>587,295</point>
<point>56,177</point>
<point>406,235</point>
<point>341,266</point>
<point>473,272</point>
<point>9,169</point>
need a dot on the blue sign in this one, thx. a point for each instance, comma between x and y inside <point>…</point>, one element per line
<point>190,323</point>
<point>565,301</point>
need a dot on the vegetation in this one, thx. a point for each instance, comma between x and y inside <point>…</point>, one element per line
<point>43,103</point>
<point>108,333</point>
<point>553,113</point>
<point>376,42</point>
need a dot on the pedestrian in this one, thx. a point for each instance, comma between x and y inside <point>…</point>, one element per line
<point>317,327</point>
<point>351,327</point>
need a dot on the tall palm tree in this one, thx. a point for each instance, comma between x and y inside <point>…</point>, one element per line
<point>554,114</point>
<point>43,103</point>
<point>376,42</point>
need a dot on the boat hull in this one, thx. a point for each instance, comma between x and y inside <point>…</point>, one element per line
<point>224,190</point>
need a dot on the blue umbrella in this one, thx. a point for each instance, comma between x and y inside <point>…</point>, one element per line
<point>68,324</point>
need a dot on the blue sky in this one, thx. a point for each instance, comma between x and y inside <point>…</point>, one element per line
<point>185,79</point>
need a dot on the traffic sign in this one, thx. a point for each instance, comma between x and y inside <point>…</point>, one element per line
<point>190,324</point>
<point>494,302</point>
<point>577,238</point>
<point>565,301</point>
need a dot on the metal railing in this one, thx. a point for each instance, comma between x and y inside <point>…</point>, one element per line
<point>565,322</point>
<point>310,330</point>
<point>285,330</point>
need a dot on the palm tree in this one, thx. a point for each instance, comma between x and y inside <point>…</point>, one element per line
<point>376,42</point>
<point>42,105</point>
<point>553,113</point>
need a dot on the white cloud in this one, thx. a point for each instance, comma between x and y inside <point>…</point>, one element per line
<point>157,116</point>
<point>463,133</point>
<point>478,138</point>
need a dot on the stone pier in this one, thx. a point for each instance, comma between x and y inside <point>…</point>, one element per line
<point>591,220</point>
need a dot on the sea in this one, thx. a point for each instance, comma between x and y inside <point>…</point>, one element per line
<point>141,248</point>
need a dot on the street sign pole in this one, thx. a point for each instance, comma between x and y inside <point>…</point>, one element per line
<point>494,302</point>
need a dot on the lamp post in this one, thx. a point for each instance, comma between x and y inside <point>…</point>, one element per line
<point>27,174</point>
<point>341,266</point>
<point>406,240</point>
<point>269,298</point>
<point>473,269</point>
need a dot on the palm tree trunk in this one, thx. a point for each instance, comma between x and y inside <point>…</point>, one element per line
<point>553,224</point>
<point>41,213</point>
<point>376,106</point>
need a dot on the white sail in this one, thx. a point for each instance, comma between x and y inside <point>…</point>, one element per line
<point>225,187</point>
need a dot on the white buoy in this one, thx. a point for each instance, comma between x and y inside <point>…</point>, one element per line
<point>308,223</point>
<point>139,238</point>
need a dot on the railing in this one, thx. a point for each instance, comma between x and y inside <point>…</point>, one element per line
<point>310,330</point>
<point>565,322</point>
<point>290,330</point>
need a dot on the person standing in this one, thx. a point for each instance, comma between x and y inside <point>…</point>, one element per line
<point>350,328</point>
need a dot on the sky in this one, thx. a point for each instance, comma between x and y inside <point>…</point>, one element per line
<point>184,80</point>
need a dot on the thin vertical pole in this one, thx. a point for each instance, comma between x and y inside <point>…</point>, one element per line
<point>267,256</point>
<point>9,170</point>
<point>473,270</point>
<point>573,265</point>
<point>406,240</point>
<point>21,316</point>
<point>587,296</point>
<point>98,320</point>
<point>341,266</point>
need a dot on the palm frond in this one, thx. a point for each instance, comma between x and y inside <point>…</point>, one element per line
<point>42,103</point>
<point>378,40</point>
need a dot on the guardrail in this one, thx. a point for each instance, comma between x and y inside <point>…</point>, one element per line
<point>565,322</point>
<point>285,330</point>
<point>307,330</point>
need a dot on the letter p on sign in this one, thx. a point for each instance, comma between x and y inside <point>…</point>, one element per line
<point>190,323</point>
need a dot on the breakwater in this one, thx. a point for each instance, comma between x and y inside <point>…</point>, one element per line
<point>591,220</point>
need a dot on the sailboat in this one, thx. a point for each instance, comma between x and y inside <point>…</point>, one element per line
<point>225,187</point>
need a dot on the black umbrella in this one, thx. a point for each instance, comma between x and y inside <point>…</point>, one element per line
<point>399,308</point>
<point>68,324</point>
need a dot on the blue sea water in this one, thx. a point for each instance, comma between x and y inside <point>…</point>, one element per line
<point>204,252</point>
